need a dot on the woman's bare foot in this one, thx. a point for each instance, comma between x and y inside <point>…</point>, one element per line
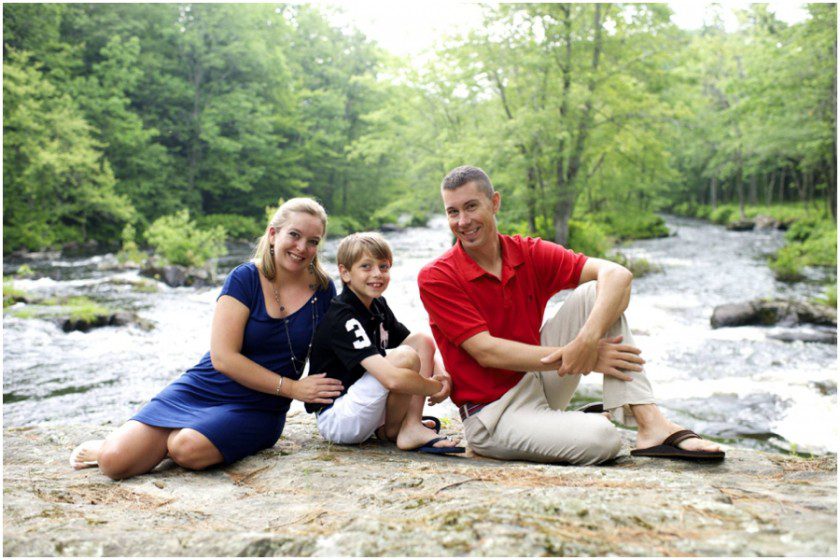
<point>86,454</point>
<point>415,434</point>
<point>654,428</point>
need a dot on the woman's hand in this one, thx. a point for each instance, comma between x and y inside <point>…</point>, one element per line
<point>316,388</point>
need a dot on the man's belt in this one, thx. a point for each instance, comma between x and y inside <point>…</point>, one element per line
<point>470,409</point>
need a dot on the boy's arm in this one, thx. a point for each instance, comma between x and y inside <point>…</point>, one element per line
<point>443,376</point>
<point>399,379</point>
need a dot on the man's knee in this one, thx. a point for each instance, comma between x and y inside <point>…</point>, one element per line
<point>603,441</point>
<point>585,292</point>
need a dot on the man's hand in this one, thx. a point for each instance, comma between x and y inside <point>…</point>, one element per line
<point>614,357</point>
<point>577,357</point>
<point>610,357</point>
<point>443,394</point>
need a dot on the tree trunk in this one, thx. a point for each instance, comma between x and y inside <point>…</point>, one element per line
<point>566,186</point>
<point>196,122</point>
<point>782,185</point>
<point>768,189</point>
<point>802,187</point>
<point>713,188</point>
<point>753,192</point>
<point>831,188</point>
<point>531,199</point>
<point>739,186</point>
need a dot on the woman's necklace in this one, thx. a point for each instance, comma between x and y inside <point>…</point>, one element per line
<point>295,359</point>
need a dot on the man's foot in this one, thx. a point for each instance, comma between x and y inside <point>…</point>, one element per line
<point>86,454</point>
<point>416,435</point>
<point>654,428</point>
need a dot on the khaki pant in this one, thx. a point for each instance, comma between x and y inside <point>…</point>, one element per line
<point>529,422</point>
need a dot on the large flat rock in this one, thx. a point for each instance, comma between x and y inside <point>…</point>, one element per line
<point>306,497</point>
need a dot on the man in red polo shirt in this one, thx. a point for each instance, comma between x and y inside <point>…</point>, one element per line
<point>512,380</point>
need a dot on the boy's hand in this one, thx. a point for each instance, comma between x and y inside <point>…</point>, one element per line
<point>444,379</point>
<point>316,388</point>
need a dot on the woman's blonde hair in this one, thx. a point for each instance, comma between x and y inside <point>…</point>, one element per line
<point>262,254</point>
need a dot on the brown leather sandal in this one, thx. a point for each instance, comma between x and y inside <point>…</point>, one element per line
<point>668,449</point>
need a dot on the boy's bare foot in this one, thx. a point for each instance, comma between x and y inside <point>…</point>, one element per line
<point>86,454</point>
<point>415,435</point>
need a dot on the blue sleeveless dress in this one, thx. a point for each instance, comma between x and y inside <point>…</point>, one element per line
<point>237,420</point>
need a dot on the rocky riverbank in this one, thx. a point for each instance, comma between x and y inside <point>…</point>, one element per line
<point>305,497</point>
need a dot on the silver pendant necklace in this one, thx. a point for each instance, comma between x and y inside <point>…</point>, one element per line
<point>295,359</point>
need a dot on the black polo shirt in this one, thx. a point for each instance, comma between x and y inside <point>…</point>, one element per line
<point>349,333</point>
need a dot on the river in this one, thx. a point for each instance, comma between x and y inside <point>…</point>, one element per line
<point>735,384</point>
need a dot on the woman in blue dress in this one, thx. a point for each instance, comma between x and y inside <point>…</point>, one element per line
<point>234,402</point>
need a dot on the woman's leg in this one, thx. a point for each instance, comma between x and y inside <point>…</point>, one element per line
<point>192,450</point>
<point>134,448</point>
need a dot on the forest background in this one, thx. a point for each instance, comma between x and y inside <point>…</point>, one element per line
<point>142,123</point>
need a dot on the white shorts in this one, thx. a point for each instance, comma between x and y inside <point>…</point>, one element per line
<point>355,416</point>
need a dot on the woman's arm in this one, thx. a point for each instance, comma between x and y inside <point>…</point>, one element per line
<point>226,336</point>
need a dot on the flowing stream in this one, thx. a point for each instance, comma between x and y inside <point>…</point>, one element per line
<point>735,384</point>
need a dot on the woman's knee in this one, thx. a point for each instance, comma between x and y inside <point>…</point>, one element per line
<point>191,450</point>
<point>115,461</point>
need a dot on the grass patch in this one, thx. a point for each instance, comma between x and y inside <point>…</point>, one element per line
<point>786,213</point>
<point>639,267</point>
<point>24,271</point>
<point>85,309</point>
<point>811,242</point>
<point>24,313</point>
<point>12,295</point>
<point>830,296</point>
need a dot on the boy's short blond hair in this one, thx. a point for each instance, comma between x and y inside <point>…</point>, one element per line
<point>355,246</point>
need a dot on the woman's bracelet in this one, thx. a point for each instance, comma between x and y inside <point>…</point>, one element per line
<point>279,384</point>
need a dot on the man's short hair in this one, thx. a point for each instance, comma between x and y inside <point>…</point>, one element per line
<point>355,246</point>
<point>460,176</point>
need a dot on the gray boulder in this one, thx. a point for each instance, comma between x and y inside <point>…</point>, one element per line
<point>307,497</point>
<point>176,276</point>
<point>771,312</point>
<point>117,319</point>
<point>765,222</point>
<point>741,225</point>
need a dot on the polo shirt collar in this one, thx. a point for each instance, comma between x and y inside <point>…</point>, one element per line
<point>511,258</point>
<point>349,297</point>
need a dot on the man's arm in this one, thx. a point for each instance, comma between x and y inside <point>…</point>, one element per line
<point>500,353</point>
<point>612,298</point>
<point>583,353</point>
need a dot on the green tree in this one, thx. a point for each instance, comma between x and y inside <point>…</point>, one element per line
<point>57,185</point>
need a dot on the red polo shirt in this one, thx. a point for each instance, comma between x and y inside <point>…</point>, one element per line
<point>462,300</point>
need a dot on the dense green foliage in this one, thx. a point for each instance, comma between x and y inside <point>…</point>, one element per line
<point>589,118</point>
<point>810,243</point>
<point>811,237</point>
<point>178,240</point>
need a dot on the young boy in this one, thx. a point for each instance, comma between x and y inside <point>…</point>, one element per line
<point>383,391</point>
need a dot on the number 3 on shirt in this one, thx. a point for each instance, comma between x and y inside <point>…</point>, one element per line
<point>362,340</point>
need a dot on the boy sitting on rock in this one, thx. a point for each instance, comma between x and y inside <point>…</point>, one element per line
<point>386,371</point>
